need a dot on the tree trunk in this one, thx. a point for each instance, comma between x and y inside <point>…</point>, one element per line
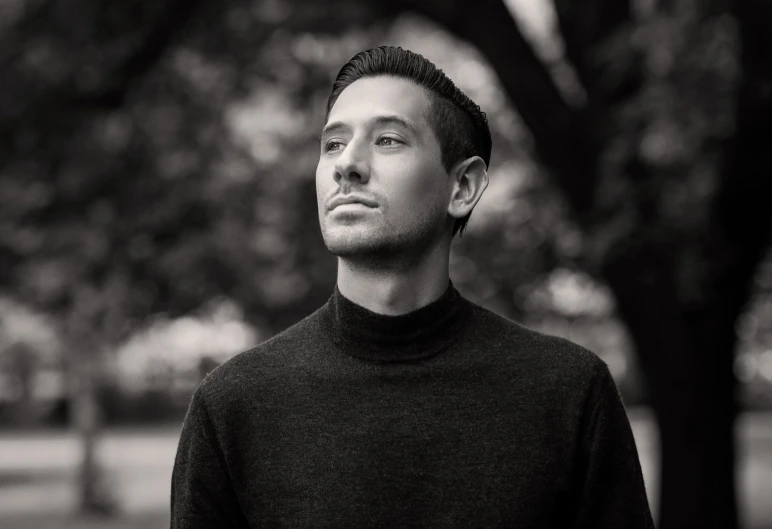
<point>84,359</point>
<point>688,363</point>
<point>95,495</point>
<point>23,368</point>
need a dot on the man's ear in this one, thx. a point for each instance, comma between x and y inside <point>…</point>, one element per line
<point>470,178</point>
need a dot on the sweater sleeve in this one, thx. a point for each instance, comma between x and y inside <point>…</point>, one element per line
<point>202,494</point>
<point>610,488</point>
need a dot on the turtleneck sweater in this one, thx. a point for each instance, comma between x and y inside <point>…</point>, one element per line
<point>447,416</point>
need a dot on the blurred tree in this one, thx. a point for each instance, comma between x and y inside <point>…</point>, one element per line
<point>143,168</point>
<point>22,360</point>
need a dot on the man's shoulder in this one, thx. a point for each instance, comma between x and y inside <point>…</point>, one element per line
<point>558,375</point>
<point>523,346</point>
<point>267,359</point>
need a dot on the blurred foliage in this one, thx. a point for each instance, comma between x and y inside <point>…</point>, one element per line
<point>161,158</point>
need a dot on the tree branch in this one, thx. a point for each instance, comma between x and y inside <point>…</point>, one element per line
<point>587,28</point>
<point>564,141</point>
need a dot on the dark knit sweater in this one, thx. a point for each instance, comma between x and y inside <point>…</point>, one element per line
<point>449,416</point>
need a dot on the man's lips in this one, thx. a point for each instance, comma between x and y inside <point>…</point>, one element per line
<point>351,199</point>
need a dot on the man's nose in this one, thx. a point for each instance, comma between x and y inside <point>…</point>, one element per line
<point>353,163</point>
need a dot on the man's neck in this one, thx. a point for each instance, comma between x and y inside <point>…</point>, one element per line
<point>395,290</point>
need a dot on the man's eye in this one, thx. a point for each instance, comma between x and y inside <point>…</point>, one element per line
<point>389,142</point>
<point>332,146</point>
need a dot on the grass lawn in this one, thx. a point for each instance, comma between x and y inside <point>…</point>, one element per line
<point>52,521</point>
<point>37,473</point>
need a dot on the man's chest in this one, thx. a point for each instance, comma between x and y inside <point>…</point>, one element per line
<point>376,463</point>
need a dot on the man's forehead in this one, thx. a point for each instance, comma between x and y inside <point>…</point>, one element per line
<point>373,97</point>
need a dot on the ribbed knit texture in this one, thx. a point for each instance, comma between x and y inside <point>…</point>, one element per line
<point>449,416</point>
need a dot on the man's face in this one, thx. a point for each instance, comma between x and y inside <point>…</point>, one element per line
<point>379,152</point>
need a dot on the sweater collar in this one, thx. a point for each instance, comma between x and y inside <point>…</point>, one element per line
<point>419,334</point>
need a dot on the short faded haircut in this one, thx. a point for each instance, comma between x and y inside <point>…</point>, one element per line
<point>460,126</point>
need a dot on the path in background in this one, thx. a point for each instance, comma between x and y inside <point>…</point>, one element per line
<point>37,473</point>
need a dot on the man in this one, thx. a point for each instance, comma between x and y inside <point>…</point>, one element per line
<point>399,403</point>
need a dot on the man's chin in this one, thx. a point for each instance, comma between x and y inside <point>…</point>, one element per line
<point>354,244</point>
<point>343,248</point>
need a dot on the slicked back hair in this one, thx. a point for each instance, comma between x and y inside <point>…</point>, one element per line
<point>459,124</point>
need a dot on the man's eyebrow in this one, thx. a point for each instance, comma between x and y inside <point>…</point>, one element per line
<point>379,120</point>
<point>396,120</point>
<point>333,127</point>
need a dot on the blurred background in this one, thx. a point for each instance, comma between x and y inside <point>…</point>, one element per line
<point>158,216</point>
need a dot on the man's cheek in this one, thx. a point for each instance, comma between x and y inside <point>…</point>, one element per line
<point>423,183</point>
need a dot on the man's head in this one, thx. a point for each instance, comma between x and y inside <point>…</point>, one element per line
<point>400,136</point>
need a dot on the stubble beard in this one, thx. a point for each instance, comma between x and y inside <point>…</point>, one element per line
<point>383,246</point>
